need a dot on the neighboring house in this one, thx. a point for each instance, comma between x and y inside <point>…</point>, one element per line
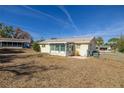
<point>14,43</point>
<point>69,46</point>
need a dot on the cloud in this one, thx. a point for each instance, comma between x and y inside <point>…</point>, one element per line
<point>18,11</point>
<point>69,17</point>
<point>48,15</point>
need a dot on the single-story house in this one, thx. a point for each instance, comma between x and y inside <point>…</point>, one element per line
<point>14,43</point>
<point>76,46</point>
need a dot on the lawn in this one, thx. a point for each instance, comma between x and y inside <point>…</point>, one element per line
<point>41,70</point>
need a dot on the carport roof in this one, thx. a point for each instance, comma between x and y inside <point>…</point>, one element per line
<point>14,40</point>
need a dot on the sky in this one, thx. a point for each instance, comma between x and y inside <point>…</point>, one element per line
<point>65,21</point>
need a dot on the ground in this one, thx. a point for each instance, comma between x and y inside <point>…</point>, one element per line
<point>24,69</point>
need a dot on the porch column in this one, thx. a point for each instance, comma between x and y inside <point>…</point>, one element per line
<point>17,44</point>
<point>6,44</point>
<point>12,44</point>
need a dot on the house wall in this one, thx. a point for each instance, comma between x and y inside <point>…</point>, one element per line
<point>81,49</point>
<point>45,49</point>
<point>84,49</point>
<point>60,53</point>
<point>77,49</point>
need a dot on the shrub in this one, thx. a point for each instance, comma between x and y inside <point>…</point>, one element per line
<point>121,45</point>
<point>36,47</point>
<point>121,48</point>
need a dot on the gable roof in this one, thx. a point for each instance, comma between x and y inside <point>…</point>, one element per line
<point>14,40</point>
<point>68,40</point>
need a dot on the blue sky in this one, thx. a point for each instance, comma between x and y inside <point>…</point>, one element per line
<point>65,21</point>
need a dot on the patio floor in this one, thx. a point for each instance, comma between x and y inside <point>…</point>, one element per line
<point>78,57</point>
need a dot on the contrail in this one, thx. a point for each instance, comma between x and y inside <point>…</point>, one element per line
<point>69,17</point>
<point>46,14</point>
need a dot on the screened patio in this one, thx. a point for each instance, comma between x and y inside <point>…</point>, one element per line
<point>13,43</point>
<point>61,49</point>
<point>57,47</point>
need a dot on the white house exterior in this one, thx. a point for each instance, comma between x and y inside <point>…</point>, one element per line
<point>69,46</point>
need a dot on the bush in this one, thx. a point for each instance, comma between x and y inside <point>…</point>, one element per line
<point>121,48</point>
<point>36,47</point>
<point>121,45</point>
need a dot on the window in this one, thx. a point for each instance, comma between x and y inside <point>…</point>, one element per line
<point>78,46</point>
<point>10,44</point>
<point>57,47</point>
<point>62,46</point>
<point>52,47</point>
<point>43,45</point>
<point>4,44</point>
<point>15,44</point>
<point>19,44</point>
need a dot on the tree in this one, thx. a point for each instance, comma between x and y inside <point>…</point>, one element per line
<point>113,42</point>
<point>9,32</point>
<point>20,34</point>
<point>6,31</point>
<point>1,25</point>
<point>121,44</point>
<point>99,41</point>
<point>36,47</point>
<point>2,32</point>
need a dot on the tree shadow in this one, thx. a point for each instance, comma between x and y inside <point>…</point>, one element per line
<point>10,51</point>
<point>6,58</point>
<point>28,69</point>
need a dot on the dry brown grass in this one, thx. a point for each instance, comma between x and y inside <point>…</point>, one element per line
<point>53,71</point>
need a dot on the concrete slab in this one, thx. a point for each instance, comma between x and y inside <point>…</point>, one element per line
<point>78,57</point>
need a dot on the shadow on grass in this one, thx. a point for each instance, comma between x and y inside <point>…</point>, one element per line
<point>28,69</point>
<point>6,58</point>
<point>9,51</point>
